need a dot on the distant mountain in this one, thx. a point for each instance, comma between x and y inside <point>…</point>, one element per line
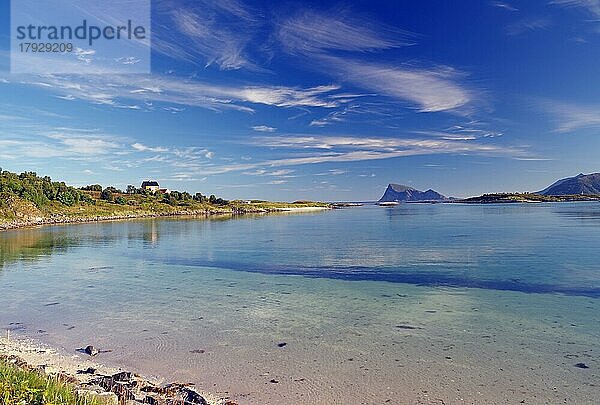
<point>399,193</point>
<point>581,184</point>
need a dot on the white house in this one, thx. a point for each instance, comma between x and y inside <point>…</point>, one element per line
<point>150,186</point>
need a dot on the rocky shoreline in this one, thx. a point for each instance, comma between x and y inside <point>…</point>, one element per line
<point>113,386</point>
<point>40,221</point>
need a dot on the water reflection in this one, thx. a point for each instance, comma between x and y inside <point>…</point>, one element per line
<point>408,209</point>
<point>150,234</point>
<point>587,215</point>
<point>29,244</point>
<point>515,247</point>
<point>34,243</point>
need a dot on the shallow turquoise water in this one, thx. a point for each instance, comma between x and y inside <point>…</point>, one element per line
<point>477,303</point>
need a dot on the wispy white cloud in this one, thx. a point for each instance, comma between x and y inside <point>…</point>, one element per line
<point>143,148</point>
<point>30,140</point>
<point>333,117</point>
<point>384,144</point>
<point>572,116</point>
<point>84,55</point>
<point>528,24</point>
<point>309,32</point>
<point>504,5</point>
<point>123,90</point>
<point>130,60</point>
<point>263,128</point>
<point>351,149</point>
<point>307,150</point>
<point>109,152</point>
<point>275,173</point>
<point>323,37</point>
<point>591,6</point>
<point>431,90</point>
<point>467,132</point>
<point>184,155</point>
<point>27,138</point>
<point>206,32</point>
<point>85,144</point>
<point>332,172</point>
<point>289,97</point>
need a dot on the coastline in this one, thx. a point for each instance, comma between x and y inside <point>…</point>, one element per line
<point>43,221</point>
<point>92,378</point>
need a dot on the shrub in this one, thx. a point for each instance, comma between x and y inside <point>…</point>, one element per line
<point>106,195</point>
<point>93,187</point>
<point>66,197</point>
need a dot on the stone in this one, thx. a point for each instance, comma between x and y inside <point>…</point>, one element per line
<point>91,350</point>
<point>124,376</point>
<point>107,398</point>
<point>191,397</point>
<point>89,370</point>
<point>151,400</point>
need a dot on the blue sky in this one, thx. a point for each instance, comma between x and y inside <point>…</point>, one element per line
<point>327,101</point>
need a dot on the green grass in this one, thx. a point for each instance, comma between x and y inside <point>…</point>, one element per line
<point>20,387</point>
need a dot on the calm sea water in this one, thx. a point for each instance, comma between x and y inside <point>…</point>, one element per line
<point>410,304</point>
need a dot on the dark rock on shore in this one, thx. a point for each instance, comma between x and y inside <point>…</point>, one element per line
<point>120,388</point>
<point>191,397</point>
<point>407,327</point>
<point>130,387</point>
<point>91,350</point>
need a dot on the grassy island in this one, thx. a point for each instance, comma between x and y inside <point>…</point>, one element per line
<point>526,198</point>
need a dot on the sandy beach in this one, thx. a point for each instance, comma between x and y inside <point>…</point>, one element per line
<point>80,369</point>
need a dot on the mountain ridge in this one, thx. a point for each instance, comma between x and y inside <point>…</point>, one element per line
<point>585,184</point>
<point>400,193</point>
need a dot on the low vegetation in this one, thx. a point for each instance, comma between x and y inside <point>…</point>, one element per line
<point>528,197</point>
<point>28,198</point>
<point>19,386</point>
